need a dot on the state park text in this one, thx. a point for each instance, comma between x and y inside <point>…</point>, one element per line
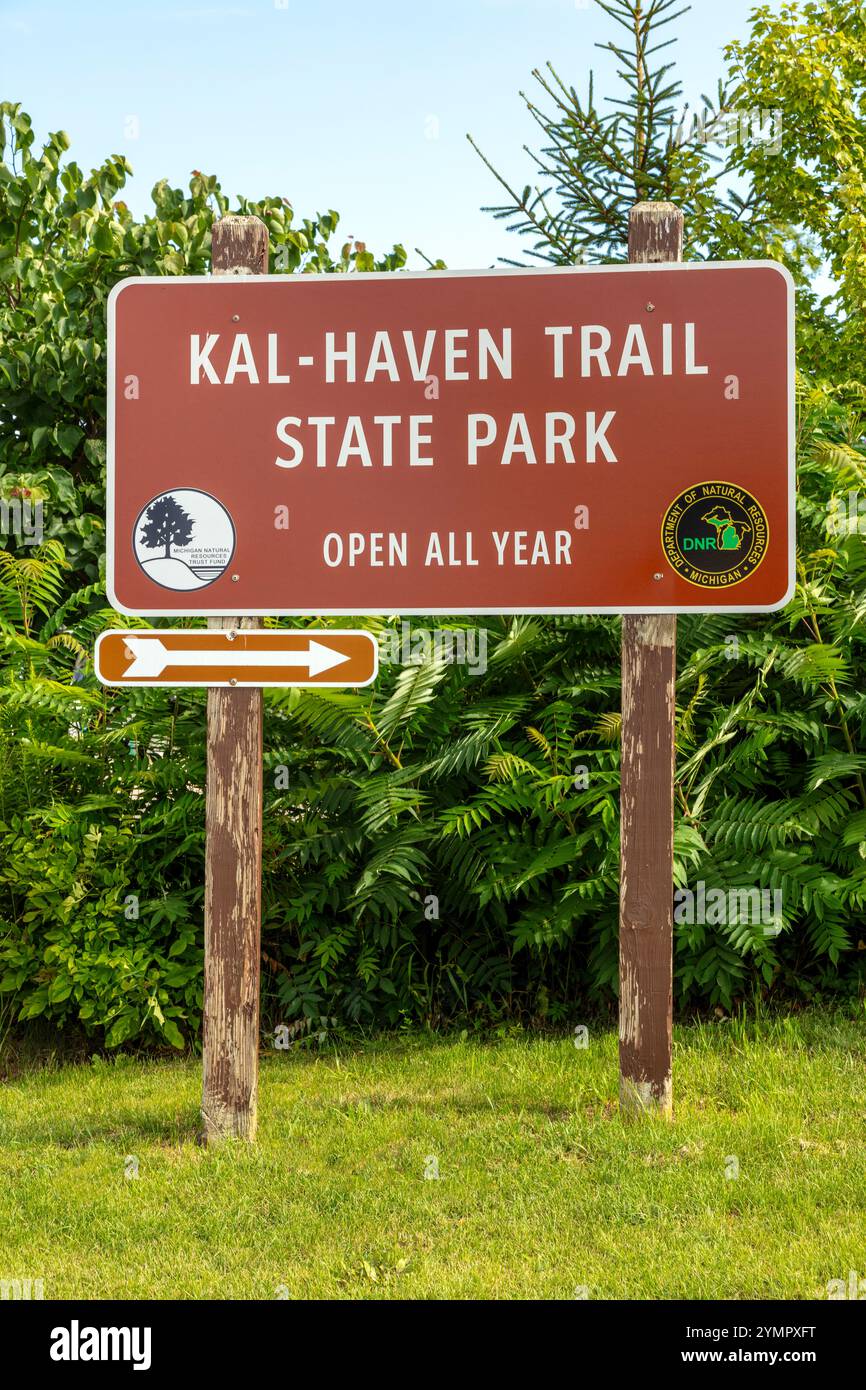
<point>459,354</point>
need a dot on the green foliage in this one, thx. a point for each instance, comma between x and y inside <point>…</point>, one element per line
<point>441,783</point>
<point>774,165</point>
<point>807,62</point>
<point>85,952</point>
<point>65,239</point>
<point>99,910</point>
<point>442,845</point>
<point>98,802</point>
<point>494,794</point>
<point>598,160</point>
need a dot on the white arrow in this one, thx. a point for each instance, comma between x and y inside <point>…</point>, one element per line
<point>151,656</point>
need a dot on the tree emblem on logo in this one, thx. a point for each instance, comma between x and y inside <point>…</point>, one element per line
<point>166,523</point>
<point>728,537</point>
<point>183,538</point>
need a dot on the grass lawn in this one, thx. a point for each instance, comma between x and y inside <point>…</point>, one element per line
<point>542,1189</point>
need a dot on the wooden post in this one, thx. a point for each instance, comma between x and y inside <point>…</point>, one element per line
<point>649,667</point>
<point>233,852</point>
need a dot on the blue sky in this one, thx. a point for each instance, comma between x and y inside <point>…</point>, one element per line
<point>363,107</point>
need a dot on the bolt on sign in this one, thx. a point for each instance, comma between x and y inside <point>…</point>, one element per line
<point>613,439</point>
<point>328,657</point>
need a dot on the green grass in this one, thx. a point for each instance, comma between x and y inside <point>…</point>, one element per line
<point>542,1187</point>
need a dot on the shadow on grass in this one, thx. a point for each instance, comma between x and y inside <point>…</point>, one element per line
<point>123,1130</point>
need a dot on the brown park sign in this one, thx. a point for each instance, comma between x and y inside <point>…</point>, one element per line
<point>236,657</point>
<point>615,439</point>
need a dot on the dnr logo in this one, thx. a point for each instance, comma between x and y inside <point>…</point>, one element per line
<point>715,535</point>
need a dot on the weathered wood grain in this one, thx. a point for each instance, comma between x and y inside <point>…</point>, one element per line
<point>647,798</point>
<point>233,855</point>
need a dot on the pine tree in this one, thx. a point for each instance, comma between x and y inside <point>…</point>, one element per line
<point>595,164</point>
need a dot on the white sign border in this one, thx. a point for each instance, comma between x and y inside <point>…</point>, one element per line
<point>314,632</point>
<point>231,282</point>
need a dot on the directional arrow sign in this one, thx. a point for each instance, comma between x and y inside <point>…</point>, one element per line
<point>332,658</point>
